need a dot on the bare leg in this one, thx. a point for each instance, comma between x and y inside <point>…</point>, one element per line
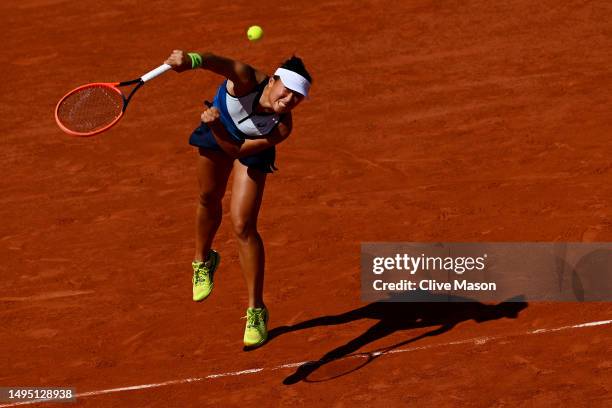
<point>247,193</point>
<point>213,171</point>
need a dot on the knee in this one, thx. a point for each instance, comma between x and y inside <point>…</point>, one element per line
<point>244,228</point>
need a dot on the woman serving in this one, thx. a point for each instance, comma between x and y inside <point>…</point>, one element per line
<point>249,116</point>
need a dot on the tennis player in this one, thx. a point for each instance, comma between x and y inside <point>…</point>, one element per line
<point>249,116</point>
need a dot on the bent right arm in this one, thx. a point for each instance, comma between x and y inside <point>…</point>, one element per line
<point>243,76</point>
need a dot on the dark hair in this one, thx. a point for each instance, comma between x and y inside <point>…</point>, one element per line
<point>296,65</point>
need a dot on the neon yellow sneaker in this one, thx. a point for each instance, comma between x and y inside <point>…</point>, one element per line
<point>256,330</point>
<point>203,274</point>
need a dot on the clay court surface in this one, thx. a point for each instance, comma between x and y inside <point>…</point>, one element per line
<point>428,121</point>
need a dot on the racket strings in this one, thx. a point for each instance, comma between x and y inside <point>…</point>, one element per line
<point>90,108</point>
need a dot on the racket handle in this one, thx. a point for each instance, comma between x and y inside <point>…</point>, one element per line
<point>208,104</point>
<point>156,72</point>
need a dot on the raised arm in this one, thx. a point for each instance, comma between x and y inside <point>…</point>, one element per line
<point>243,76</point>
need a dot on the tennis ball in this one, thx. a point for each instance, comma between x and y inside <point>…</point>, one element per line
<point>254,33</point>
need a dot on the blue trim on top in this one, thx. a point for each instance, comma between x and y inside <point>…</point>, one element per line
<point>220,102</point>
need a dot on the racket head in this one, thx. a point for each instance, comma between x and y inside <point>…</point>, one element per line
<point>90,109</point>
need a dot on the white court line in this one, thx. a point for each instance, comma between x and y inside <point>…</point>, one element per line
<point>475,340</point>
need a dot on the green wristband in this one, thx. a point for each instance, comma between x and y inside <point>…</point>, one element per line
<point>196,60</point>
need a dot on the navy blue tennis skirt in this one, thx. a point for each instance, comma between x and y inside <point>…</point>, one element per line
<point>263,161</point>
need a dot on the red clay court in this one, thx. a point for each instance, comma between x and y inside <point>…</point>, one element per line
<point>428,121</point>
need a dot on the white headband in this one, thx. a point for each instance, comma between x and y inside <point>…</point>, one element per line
<point>293,81</point>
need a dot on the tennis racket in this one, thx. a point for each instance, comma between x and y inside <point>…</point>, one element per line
<point>94,108</point>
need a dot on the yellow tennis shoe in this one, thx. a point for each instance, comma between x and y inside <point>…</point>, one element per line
<point>256,330</point>
<point>203,274</point>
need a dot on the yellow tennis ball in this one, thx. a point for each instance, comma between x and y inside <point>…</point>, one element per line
<point>254,33</point>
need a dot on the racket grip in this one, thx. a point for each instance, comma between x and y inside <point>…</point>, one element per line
<point>208,104</point>
<point>156,72</point>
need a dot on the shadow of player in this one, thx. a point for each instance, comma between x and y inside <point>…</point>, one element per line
<point>393,317</point>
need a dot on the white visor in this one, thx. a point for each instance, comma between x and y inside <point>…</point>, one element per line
<point>293,81</point>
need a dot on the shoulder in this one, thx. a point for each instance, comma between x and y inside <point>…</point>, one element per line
<point>247,79</point>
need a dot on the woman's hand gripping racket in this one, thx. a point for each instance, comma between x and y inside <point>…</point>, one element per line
<point>93,108</point>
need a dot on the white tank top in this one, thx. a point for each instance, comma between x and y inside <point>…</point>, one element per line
<point>250,123</point>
